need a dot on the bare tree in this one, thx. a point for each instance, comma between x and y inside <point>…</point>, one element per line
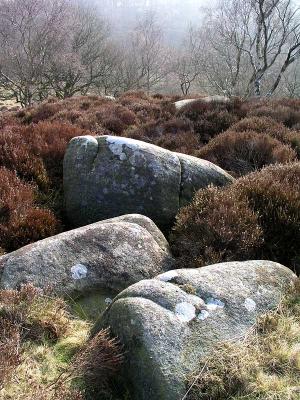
<point>148,54</point>
<point>30,33</point>
<point>51,47</point>
<point>85,56</point>
<point>291,81</point>
<point>264,35</point>
<point>186,66</point>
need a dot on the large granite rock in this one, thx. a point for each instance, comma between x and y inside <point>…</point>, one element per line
<point>168,324</point>
<point>179,105</point>
<point>112,254</point>
<point>109,176</point>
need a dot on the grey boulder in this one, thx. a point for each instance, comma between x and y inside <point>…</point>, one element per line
<point>112,254</point>
<point>108,176</point>
<point>179,105</point>
<point>168,324</point>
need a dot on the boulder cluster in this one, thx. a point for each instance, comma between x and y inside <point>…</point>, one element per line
<point>119,193</point>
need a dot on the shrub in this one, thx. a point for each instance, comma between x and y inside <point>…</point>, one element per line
<point>16,154</point>
<point>36,151</point>
<point>282,110</point>
<point>264,125</point>
<point>175,126</point>
<point>256,217</point>
<point>21,222</point>
<point>270,127</point>
<point>241,153</point>
<point>186,142</point>
<point>49,140</point>
<point>148,132</point>
<point>98,362</point>
<point>146,107</point>
<point>35,314</point>
<point>115,118</point>
<point>40,113</point>
<point>34,225</point>
<point>274,195</point>
<point>215,227</point>
<point>209,119</point>
<point>266,365</point>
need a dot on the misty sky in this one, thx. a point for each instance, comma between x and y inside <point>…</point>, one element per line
<point>174,15</point>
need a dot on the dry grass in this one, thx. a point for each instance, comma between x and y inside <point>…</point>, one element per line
<point>46,353</point>
<point>265,366</point>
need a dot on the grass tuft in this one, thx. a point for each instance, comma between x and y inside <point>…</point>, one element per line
<point>265,366</point>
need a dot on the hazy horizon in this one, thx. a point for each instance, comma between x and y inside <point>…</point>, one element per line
<point>174,15</point>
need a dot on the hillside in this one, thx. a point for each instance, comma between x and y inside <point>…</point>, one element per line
<point>187,211</point>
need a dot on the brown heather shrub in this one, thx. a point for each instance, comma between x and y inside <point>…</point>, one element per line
<point>98,361</point>
<point>270,127</point>
<point>274,195</point>
<point>241,153</point>
<point>32,324</point>
<point>42,112</point>
<point>175,126</point>
<point>36,151</point>
<point>26,315</point>
<point>34,225</point>
<point>286,111</point>
<point>16,154</point>
<point>146,107</point>
<point>215,227</point>
<point>210,119</point>
<point>148,132</point>
<point>256,217</point>
<point>21,222</point>
<point>115,118</point>
<point>39,337</point>
<point>265,125</point>
<point>186,142</point>
<point>8,119</point>
<point>49,140</point>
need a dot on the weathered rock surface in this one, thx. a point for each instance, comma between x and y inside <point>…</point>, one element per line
<point>112,254</point>
<point>208,99</point>
<point>169,323</point>
<point>108,176</point>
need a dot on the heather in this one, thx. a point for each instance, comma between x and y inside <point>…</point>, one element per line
<point>257,217</point>
<point>239,136</point>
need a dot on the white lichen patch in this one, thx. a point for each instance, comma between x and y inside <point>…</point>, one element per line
<point>212,304</point>
<point>250,304</point>
<point>167,276</point>
<point>185,311</point>
<point>117,145</point>
<point>117,150</point>
<point>79,271</point>
<point>203,315</point>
